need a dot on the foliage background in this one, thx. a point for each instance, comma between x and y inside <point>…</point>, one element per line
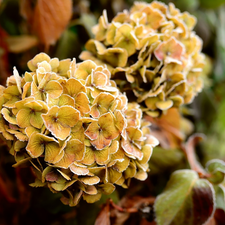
<point>23,34</point>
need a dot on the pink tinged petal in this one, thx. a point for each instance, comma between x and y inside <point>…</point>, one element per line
<point>171,48</point>
<point>151,140</point>
<point>101,142</point>
<point>99,79</point>
<point>131,149</point>
<point>74,151</point>
<point>94,112</point>
<point>90,180</point>
<point>159,53</point>
<point>82,103</point>
<point>92,131</point>
<point>78,170</point>
<point>88,189</point>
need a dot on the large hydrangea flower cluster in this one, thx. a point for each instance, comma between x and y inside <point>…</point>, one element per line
<point>153,54</point>
<point>75,128</point>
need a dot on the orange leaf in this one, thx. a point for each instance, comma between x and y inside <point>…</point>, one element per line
<point>51,18</point>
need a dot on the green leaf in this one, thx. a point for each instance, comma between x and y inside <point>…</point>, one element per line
<point>216,168</point>
<point>211,4</point>
<point>187,5</point>
<point>186,200</point>
<point>220,196</point>
<point>88,21</point>
<point>162,159</point>
<point>67,40</point>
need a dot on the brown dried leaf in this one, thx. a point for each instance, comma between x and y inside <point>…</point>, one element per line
<point>50,19</point>
<point>18,44</point>
<point>103,217</point>
<point>26,9</point>
<point>190,151</point>
<point>167,128</point>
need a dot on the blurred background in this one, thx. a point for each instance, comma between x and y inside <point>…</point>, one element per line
<point>28,27</point>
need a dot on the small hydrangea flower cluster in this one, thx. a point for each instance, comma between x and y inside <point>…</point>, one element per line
<point>75,128</point>
<point>153,54</point>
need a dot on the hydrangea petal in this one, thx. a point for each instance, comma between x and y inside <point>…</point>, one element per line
<point>7,114</point>
<point>37,144</point>
<point>74,151</point>
<point>23,118</point>
<point>82,171</point>
<point>82,103</point>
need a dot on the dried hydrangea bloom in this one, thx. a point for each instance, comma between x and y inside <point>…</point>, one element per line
<point>153,54</point>
<point>71,123</point>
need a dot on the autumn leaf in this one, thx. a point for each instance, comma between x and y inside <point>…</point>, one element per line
<point>103,217</point>
<point>50,19</point>
<point>21,43</point>
<point>190,152</point>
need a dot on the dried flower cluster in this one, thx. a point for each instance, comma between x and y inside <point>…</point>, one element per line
<point>153,54</point>
<point>74,126</point>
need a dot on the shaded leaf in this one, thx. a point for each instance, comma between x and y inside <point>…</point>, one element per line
<point>171,158</point>
<point>18,44</point>
<point>185,200</point>
<point>190,151</point>
<point>104,216</point>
